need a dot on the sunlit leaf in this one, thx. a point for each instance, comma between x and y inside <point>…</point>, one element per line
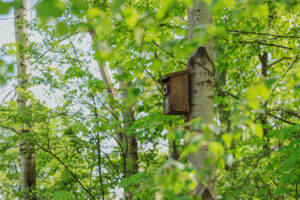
<point>5,7</point>
<point>216,148</point>
<point>51,8</point>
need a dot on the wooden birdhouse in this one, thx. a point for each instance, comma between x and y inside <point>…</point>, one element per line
<point>176,93</point>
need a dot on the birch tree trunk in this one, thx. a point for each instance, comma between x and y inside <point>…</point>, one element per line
<point>131,141</point>
<point>202,98</point>
<point>27,152</point>
<point>103,71</point>
<point>128,142</point>
<point>107,81</point>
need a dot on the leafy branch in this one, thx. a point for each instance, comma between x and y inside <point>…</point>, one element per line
<point>257,42</point>
<point>267,112</point>
<point>265,34</point>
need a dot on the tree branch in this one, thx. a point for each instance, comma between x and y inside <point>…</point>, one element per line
<point>168,53</point>
<point>57,42</point>
<point>258,42</point>
<point>268,113</point>
<point>68,169</point>
<point>279,60</point>
<point>281,119</point>
<point>266,34</point>
<point>285,73</point>
<point>171,26</point>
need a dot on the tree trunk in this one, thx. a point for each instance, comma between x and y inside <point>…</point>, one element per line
<point>224,114</point>
<point>202,98</point>
<point>27,152</point>
<point>103,71</point>
<point>173,147</point>
<point>264,59</point>
<point>131,141</point>
<point>107,81</point>
<point>128,142</point>
<point>173,150</point>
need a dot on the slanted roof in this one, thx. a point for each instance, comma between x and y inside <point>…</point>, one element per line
<point>167,76</point>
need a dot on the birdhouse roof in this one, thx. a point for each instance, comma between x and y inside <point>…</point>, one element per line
<point>167,76</point>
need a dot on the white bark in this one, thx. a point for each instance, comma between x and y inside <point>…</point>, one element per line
<point>27,153</point>
<point>202,97</point>
<point>104,73</point>
<point>128,142</point>
<point>107,81</point>
<point>131,141</point>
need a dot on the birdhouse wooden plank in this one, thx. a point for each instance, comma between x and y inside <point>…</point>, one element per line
<point>176,93</point>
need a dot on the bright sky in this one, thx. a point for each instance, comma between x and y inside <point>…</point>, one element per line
<point>6,36</point>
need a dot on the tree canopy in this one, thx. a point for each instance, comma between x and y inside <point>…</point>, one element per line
<point>95,116</point>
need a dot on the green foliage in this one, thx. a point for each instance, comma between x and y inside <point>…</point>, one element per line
<point>175,181</point>
<point>5,71</point>
<point>50,8</point>
<point>5,7</point>
<point>75,126</point>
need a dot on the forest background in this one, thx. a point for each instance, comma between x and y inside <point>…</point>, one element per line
<point>89,109</point>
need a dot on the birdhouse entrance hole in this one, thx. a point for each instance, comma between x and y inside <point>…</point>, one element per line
<point>175,88</point>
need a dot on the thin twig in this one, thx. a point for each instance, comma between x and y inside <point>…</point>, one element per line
<point>266,34</point>
<point>257,42</point>
<point>45,52</point>
<point>172,26</point>
<point>279,60</point>
<point>268,113</point>
<point>68,169</point>
<point>285,73</point>
<point>281,119</point>
<point>170,54</point>
<point>56,157</point>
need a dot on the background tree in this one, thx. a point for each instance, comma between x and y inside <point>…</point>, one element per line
<point>27,152</point>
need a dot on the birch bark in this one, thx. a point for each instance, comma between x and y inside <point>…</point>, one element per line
<point>27,152</point>
<point>106,79</point>
<point>128,142</point>
<point>131,141</point>
<point>202,98</point>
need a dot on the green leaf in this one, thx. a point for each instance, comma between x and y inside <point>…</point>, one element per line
<point>62,28</point>
<point>229,3</point>
<point>2,80</point>
<point>251,97</point>
<point>227,138</point>
<point>5,7</point>
<point>264,92</point>
<point>138,36</point>
<point>255,94</point>
<point>270,82</point>
<point>116,5</point>
<point>163,10</point>
<point>10,68</point>
<point>133,94</point>
<point>261,11</point>
<point>1,63</point>
<point>216,148</point>
<point>51,8</point>
<point>131,16</point>
<point>188,3</point>
<point>297,87</point>
<point>297,70</point>
<point>258,130</point>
